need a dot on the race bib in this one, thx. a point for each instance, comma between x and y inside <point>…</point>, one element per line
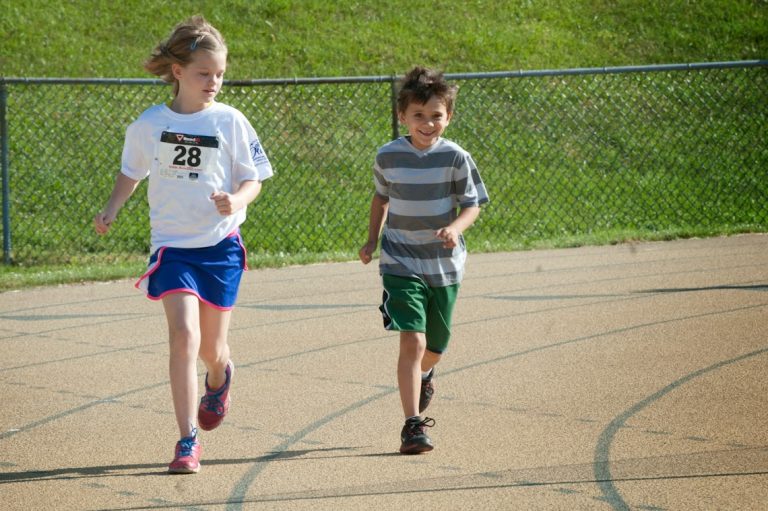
<point>186,157</point>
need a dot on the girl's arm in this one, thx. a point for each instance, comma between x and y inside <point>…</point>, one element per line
<point>122,191</point>
<point>229,203</point>
<point>379,208</point>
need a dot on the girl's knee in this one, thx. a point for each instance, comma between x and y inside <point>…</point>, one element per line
<point>183,341</point>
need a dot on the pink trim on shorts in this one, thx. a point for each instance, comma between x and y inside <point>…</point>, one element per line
<point>236,233</point>
<point>191,292</point>
<point>141,284</point>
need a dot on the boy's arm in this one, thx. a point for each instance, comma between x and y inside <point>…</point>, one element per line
<point>379,208</point>
<point>450,234</point>
<point>229,203</point>
<point>122,191</point>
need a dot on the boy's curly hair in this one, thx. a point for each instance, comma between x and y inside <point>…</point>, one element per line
<point>421,84</point>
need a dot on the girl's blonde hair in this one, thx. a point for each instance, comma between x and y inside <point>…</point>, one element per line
<point>187,37</point>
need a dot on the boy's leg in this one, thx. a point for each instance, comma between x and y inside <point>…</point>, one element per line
<point>412,347</point>
<point>438,333</point>
<point>430,360</point>
<point>404,310</point>
<point>181,312</point>
<point>413,438</point>
<point>427,376</point>
<point>442,301</point>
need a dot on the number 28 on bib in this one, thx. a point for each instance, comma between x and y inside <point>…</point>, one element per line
<point>185,157</point>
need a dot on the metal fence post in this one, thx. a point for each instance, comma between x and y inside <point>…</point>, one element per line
<point>5,171</point>
<point>393,99</point>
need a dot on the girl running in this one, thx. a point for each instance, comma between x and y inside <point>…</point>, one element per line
<point>205,164</point>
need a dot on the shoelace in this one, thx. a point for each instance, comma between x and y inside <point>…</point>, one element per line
<point>212,402</point>
<point>415,428</point>
<point>187,446</point>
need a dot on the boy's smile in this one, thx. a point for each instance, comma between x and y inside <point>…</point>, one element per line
<point>426,122</point>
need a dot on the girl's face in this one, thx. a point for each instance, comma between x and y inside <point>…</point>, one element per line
<point>201,79</point>
<point>426,123</point>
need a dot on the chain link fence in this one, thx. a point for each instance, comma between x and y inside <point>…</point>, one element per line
<point>563,153</point>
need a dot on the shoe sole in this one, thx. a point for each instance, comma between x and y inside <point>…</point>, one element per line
<point>184,470</point>
<point>416,449</point>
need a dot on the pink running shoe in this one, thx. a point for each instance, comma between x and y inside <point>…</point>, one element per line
<point>215,403</point>
<point>187,458</point>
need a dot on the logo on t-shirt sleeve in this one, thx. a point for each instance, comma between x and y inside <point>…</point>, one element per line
<point>257,153</point>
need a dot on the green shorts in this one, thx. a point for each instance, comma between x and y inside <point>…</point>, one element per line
<point>409,305</point>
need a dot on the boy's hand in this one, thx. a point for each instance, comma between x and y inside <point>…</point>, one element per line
<point>366,253</point>
<point>449,235</point>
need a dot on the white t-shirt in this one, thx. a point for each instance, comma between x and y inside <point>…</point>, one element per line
<point>187,158</point>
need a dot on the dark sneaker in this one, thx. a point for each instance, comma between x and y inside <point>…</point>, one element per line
<point>187,457</point>
<point>414,438</point>
<point>427,391</point>
<point>215,403</point>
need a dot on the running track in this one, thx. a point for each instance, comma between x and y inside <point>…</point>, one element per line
<point>597,378</point>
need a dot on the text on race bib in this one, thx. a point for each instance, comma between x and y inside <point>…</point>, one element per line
<point>185,157</point>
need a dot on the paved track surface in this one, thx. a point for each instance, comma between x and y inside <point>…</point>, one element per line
<point>595,378</point>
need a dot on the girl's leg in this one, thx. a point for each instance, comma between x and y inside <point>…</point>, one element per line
<point>214,348</point>
<point>412,347</point>
<point>181,312</point>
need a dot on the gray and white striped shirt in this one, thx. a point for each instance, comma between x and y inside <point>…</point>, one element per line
<point>424,190</point>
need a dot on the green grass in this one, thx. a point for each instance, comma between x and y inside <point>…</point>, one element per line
<point>19,277</point>
<point>286,38</point>
<point>283,38</point>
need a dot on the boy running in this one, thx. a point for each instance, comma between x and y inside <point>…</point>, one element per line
<point>429,192</point>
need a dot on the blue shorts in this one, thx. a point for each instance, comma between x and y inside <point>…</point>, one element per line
<point>212,274</point>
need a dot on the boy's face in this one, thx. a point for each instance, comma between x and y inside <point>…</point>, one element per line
<point>426,122</point>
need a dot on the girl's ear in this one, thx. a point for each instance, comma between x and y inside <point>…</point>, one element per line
<point>176,70</point>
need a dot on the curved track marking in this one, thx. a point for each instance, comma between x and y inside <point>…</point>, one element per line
<point>602,451</point>
<point>237,497</point>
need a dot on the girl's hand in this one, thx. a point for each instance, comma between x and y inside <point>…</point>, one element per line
<point>226,203</point>
<point>449,235</point>
<point>102,222</point>
<point>366,252</point>
<point>124,188</point>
